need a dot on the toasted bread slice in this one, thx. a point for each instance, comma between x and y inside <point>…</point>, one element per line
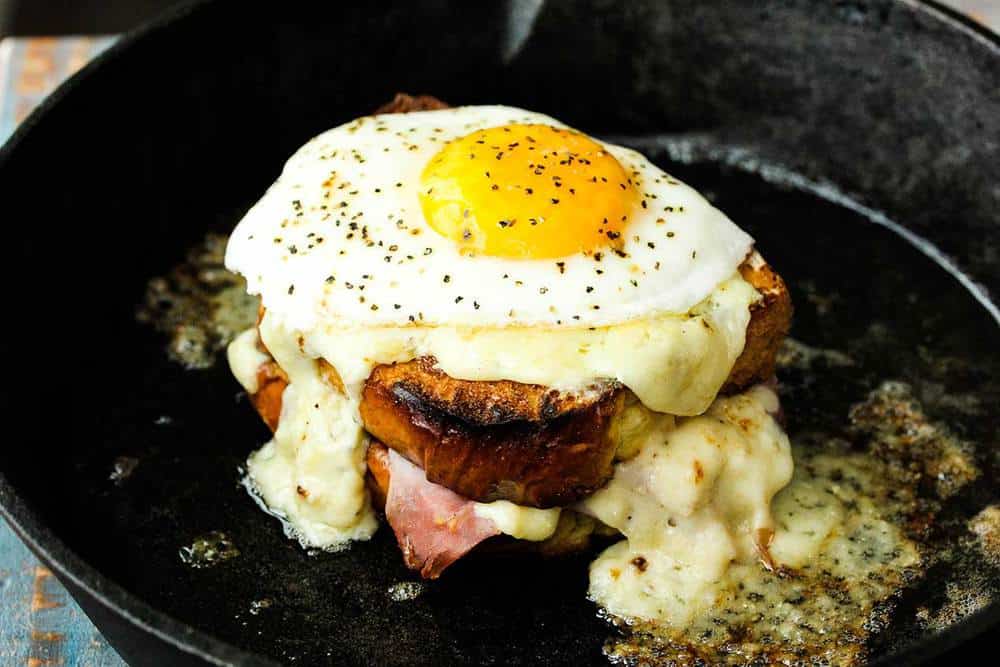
<point>403,103</point>
<point>482,403</point>
<point>770,320</point>
<point>540,463</point>
<point>493,440</point>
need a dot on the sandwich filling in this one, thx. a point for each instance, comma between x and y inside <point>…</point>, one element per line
<point>312,472</point>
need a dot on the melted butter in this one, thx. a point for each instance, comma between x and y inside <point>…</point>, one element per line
<point>208,550</point>
<point>199,305</point>
<point>694,499</point>
<point>986,527</point>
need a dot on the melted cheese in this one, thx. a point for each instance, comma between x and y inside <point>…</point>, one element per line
<point>694,499</point>
<point>245,358</point>
<point>847,559</point>
<point>312,473</point>
<point>673,363</point>
<point>524,523</point>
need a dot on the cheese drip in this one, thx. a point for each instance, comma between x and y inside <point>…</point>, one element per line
<point>312,473</point>
<point>675,364</point>
<point>694,499</point>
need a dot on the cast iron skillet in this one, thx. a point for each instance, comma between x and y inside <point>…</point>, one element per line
<point>775,109</point>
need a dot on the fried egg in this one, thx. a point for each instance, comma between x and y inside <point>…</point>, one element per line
<point>486,216</point>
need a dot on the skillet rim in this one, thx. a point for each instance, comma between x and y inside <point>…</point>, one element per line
<point>132,609</point>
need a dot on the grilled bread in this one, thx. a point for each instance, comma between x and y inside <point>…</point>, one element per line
<point>539,463</point>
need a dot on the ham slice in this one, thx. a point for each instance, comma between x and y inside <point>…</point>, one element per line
<point>434,525</point>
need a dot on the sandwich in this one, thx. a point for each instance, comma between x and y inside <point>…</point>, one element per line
<point>499,333</point>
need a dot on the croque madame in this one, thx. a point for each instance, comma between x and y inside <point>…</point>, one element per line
<point>501,333</point>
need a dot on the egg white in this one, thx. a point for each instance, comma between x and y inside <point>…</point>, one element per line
<point>340,237</point>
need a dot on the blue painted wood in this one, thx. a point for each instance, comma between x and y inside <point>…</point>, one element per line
<point>40,624</point>
<point>30,68</point>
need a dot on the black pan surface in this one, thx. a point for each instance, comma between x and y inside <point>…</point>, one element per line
<point>834,132</point>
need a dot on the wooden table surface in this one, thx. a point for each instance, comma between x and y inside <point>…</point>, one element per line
<point>40,624</point>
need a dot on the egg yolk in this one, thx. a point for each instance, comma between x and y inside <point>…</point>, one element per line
<point>527,192</point>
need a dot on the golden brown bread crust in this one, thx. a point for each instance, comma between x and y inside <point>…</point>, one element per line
<point>543,463</point>
<point>770,319</point>
<point>483,403</point>
<point>271,383</point>
<point>403,103</point>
